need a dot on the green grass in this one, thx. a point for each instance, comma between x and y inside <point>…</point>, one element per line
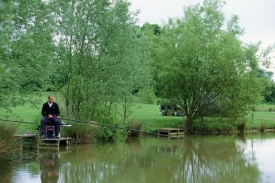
<point>264,113</point>
<point>268,118</point>
<point>266,106</point>
<point>26,113</point>
<point>148,114</point>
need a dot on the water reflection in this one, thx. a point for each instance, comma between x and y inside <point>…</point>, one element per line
<point>167,149</point>
<point>49,167</point>
<point>217,162</point>
<point>241,137</point>
<point>196,159</point>
<point>6,171</point>
<point>153,160</point>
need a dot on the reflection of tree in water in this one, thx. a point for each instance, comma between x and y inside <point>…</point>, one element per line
<point>49,167</point>
<point>217,163</point>
<point>162,161</point>
<point>241,137</point>
<point>188,161</point>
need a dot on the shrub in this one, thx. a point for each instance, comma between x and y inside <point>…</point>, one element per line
<point>241,124</point>
<point>241,127</point>
<point>109,134</point>
<point>211,125</point>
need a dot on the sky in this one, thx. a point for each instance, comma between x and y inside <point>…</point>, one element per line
<point>257,17</point>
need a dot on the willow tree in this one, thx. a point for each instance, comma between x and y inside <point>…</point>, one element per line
<point>101,55</point>
<point>202,64</point>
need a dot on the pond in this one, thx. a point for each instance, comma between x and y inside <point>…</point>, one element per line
<point>222,158</point>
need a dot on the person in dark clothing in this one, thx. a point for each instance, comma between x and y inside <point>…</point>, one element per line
<point>51,114</point>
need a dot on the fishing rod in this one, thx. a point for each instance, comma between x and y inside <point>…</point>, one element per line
<point>112,126</point>
<point>16,121</point>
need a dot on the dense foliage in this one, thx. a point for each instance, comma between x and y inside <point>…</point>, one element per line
<point>102,56</point>
<point>200,63</point>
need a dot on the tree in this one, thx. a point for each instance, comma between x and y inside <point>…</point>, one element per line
<point>28,51</point>
<point>269,91</point>
<point>203,65</point>
<point>101,52</point>
<point>6,9</point>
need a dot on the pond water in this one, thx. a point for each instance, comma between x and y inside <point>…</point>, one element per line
<point>232,158</point>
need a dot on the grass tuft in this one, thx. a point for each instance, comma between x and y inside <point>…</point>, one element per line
<point>9,144</point>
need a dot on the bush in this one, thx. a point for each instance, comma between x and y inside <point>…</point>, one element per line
<point>241,127</point>
<point>211,125</point>
<point>241,124</point>
<point>109,134</point>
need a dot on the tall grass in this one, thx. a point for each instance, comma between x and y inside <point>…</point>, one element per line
<point>9,144</point>
<point>80,133</point>
<point>135,128</point>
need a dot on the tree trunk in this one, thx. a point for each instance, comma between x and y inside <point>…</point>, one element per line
<point>186,126</point>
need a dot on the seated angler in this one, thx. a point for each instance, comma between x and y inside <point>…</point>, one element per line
<point>51,114</point>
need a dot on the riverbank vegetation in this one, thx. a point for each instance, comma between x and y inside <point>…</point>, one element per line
<point>147,118</point>
<point>103,67</point>
<point>9,144</point>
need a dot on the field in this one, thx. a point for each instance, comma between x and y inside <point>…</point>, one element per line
<point>147,114</point>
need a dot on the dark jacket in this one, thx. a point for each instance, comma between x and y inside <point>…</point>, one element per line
<point>46,109</point>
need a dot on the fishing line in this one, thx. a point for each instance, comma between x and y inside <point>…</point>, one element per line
<point>16,121</point>
<point>112,126</point>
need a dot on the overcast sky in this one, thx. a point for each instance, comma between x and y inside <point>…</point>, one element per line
<point>257,17</point>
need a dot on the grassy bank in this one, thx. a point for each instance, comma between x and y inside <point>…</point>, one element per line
<point>148,115</point>
<point>262,117</point>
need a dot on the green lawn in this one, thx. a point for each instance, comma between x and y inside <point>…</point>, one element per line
<point>149,115</point>
<point>26,113</point>
<point>259,117</point>
<point>266,106</point>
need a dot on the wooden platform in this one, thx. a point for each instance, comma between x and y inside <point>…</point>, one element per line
<point>53,142</point>
<point>171,132</point>
<point>26,135</point>
<point>27,140</point>
<point>32,141</point>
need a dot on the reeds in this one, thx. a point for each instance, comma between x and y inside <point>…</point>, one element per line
<point>262,126</point>
<point>80,133</point>
<point>8,142</point>
<point>135,128</point>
